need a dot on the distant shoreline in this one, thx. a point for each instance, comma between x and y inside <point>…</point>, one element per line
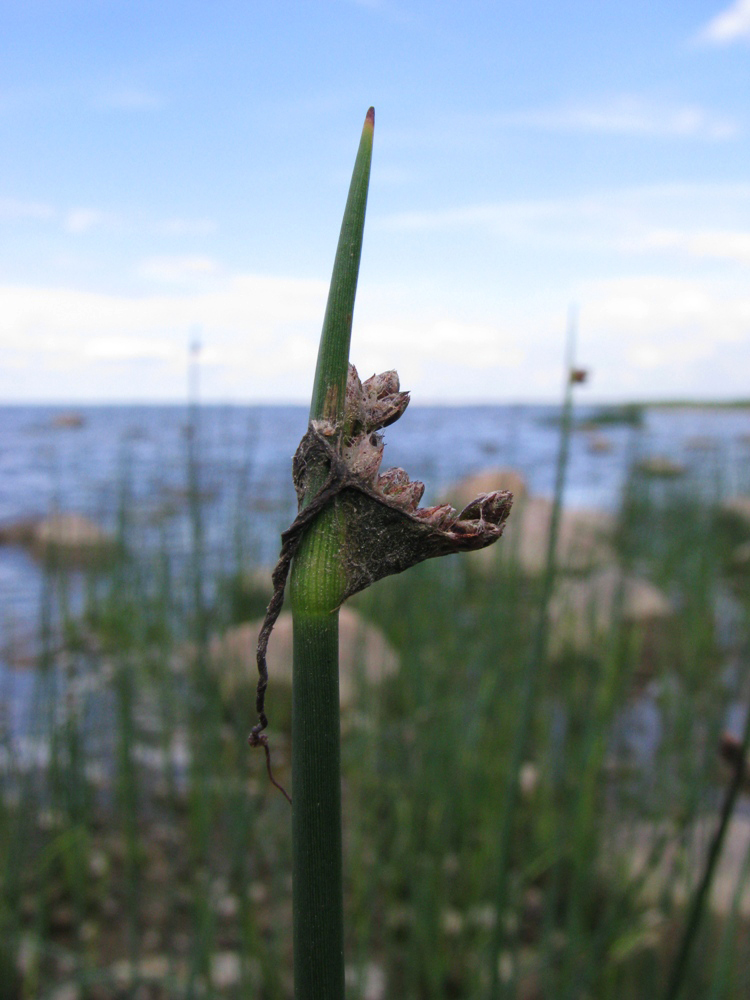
<point>688,404</point>
<point>581,402</point>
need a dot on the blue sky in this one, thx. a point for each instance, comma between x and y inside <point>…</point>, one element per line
<point>171,170</point>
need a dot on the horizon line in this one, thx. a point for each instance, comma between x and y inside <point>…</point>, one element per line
<point>702,401</point>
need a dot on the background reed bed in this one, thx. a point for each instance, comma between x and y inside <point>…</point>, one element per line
<point>144,853</point>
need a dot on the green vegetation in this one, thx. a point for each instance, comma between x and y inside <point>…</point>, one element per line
<point>509,827</point>
<point>697,404</point>
<point>627,414</point>
<point>148,851</point>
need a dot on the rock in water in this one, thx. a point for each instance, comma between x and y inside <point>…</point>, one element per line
<point>583,539</point>
<point>71,540</point>
<point>488,481</point>
<point>365,656</point>
<point>582,611</point>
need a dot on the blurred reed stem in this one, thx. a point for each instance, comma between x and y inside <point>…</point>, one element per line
<point>699,903</point>
<point>531,676</point>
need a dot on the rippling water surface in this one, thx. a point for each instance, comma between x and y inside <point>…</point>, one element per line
<point>135,459</point>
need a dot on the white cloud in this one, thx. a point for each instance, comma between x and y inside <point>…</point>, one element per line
<point>260,338</point>
<point>177,270</point>
<point>627,115</point>
<point>259,332</point>
<point>12,210</point>
<point>679,327</point>
<point>717,244</point>
<point>81,220</point>
<point>238,306</point>
<point>704,220</point>
<point>649,305</point>
<point>122,348</point>
<point>653,337</point>
<point>730,25</point>
<point>455,343</point>
<point>644,335</point>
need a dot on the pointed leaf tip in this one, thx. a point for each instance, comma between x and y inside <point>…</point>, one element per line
<point>370,118</point>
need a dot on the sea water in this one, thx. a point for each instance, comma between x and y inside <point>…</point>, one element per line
<point>134,462</point>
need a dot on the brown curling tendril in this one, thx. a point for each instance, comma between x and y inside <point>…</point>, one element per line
<point>290,540</point>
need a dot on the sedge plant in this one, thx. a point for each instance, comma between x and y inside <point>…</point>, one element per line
<point>538,652</point>
<point>355,525</point>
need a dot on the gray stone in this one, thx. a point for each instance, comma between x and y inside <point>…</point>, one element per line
<point>660,467</point>
<point>583,610</point>
<point>583,541</point>
<point>741,557</point>
<point>487,481</point>
<point>365,655</point>
<point>635,843</point>
<point>68,421</point>
<point>735,511</point>
<point>71,539</point>
<point>226,970</point>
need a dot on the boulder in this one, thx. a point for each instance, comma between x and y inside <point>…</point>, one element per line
<point>740,558</point>
<point>365,655</point>
<point>598,444</point>
<point>226,970</point>
<point>71,540</point>
<point>735,513</point>
<point>68,421</point>
<point>660,467</point>
<point>702,442</point>
<point>67,538</point>
<point>18,532</point>
<point>583,536</point>
<point>668,878</point>
<point>582,611</point>
<point>149,968</point>
<point>487,481</point>
<point>583,541</point>
<point>367,981</point>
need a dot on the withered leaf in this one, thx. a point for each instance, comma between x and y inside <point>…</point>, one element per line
<point>384,530</point>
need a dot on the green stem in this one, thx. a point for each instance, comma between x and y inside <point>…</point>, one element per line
<point>316,813</point>
<point>329,389</point>
<point>316,589</point>
<point>316,766</point>
<point>699,902</point>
